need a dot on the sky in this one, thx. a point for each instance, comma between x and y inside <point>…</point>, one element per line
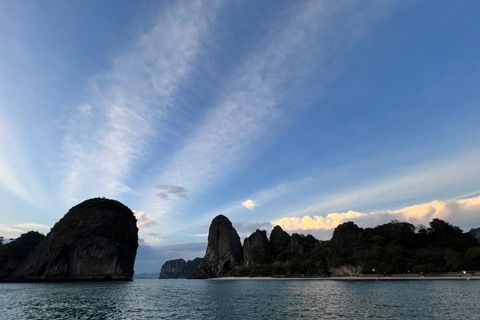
<point>305,114</point>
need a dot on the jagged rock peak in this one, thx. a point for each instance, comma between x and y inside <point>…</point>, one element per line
<point>279,240</point>
<point>224,250</point>
<point>96,240</point>
<point>256,248</point>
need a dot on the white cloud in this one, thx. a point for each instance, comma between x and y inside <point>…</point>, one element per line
<point>112,129</point>
<point>4,228</point>
<point>32,226</point>
<point>453,211</point>
<point>144,220</point>
<point>249,204</point>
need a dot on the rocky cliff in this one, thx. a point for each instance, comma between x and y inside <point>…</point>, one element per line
<point>279,241</point>
<point>224,250</point>
<point>175,269</point>
<point>95,240</point>
<point>256,249</point>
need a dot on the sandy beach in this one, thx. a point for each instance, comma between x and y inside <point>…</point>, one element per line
<point>356,278</point>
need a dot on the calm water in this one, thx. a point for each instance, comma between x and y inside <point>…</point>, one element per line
<point>196,299</point>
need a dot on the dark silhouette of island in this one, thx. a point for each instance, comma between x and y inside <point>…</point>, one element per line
<point>96,240</point>
<point>179,268</point>
<point>392,248</point>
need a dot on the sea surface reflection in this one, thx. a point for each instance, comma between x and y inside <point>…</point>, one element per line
<point>197,299</point>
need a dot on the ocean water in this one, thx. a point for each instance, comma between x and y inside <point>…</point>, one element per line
<point>199,299</point>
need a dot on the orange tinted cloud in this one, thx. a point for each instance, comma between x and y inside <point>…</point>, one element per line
<point>454,211</point>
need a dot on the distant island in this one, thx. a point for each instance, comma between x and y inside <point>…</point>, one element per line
<point>179,268</point>
<point>96,240</point>
<point>392,248</point>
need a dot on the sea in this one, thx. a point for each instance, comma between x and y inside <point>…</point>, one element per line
<point>257,299</point>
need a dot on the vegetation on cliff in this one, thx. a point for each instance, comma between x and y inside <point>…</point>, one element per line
<point>392,248</point>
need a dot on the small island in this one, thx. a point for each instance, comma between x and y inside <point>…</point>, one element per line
<point>96,240</point>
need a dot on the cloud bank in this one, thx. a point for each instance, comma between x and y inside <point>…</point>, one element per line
<point>454,211</point>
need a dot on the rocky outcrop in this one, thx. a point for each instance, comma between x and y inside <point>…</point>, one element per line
<point>475,233</point>
<point>95,240</point>
<point>224,250</point>
<point>279,241</point>
<point>13,254</point>
<point>256,249</point>
<point>175,269</point>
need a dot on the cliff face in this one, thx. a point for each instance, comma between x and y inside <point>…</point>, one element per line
<point>256,249</point>
<point>224,250</point>
<point>279,241</point>
<point>174,269</point>
<point>95,240</point>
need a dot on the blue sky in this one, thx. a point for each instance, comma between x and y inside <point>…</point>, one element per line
<point>304,114</point>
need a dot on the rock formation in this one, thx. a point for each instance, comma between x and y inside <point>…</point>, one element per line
<point>279,240</point>
<point>256,249</point>
<point>13,254</point>
<point>224,250</point>
<point>95,240</point>
<point>175,269</point>
<point>475,233</point>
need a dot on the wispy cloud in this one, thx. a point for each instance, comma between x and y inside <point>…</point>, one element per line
<point>249,204</point>
<point>420,181</point>
<point>457,211</point>
<point>200,235</point>
<point>251,105</point>
<point>33,226</point>
<point>4,228</point>
<point>112,128</point>
<point>169,190</point>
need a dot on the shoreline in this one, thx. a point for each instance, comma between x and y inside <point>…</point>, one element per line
<point>352,278</point>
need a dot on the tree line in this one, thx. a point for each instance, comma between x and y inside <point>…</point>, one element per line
<point>392,248</point>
